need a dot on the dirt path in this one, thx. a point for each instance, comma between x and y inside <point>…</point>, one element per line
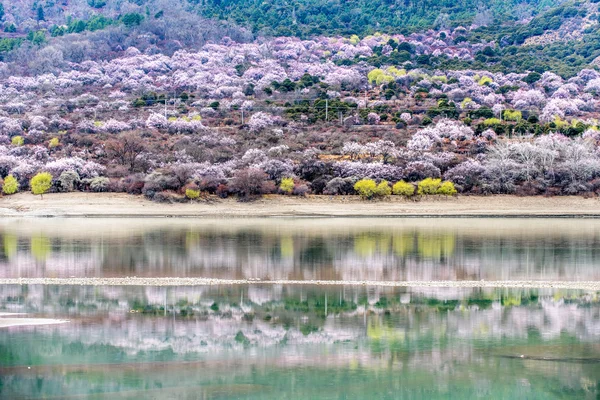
<point>123,205</point>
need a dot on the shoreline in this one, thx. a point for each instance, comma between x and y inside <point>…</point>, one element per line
<point>175,281</point>
<point>120,205</point>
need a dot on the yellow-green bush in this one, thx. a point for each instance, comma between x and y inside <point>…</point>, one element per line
<point>53,143</point>
<point>365,188</point>
<point>465,102</point>
<point>428,186</point>
<point>192,194</point>
<point>491,121</point>
<point>383,189</point>
<point>379,76</point>
<point>287,185</point>
<point>17,141</point>
<point>41,183</point>
<point>486,80</point>
<point>447,189</point>
<point>512,115</point>
<point>402,188</point>
<point>11,185</point>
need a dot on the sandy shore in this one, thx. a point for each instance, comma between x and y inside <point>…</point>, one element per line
<point>6,322</point>
<point>135,281</point>
<point>123,205</point>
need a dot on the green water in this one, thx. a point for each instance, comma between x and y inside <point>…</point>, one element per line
<point>301,342</point>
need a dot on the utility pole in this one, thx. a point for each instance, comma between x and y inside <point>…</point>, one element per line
<point>326,110</point>
<point>242,116</point>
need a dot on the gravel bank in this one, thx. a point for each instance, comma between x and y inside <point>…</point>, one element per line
<point>122,205</point>
<point>135,281</point>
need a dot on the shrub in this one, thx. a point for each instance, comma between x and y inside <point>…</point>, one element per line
<point>11,185</point>
<point>447,188</point>
<point>17,141</point>
<point>250,182</point>
<point>159,181</point>
<point>492,121</point>
<point>99,184</point>
<point>300,190</point>
<point>512,115</point>
<point>383,189</point>
<point>133,184</point>
<point>428,186</point>
<point>339,186</point>
<point>168,196</point>
<point>402,188</point>
<point>484,81</point>
<point>41,183</point>
<point>68,181</point>
<point>222,191</point>
<point>366,188</point>
<point>287,185</point>
<point>192,194</point>
<point>53,143</point>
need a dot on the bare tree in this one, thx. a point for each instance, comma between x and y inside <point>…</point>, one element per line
<point>126,148</point>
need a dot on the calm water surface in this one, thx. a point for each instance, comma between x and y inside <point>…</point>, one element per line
<point>309,342</point>
<point>350,249</point>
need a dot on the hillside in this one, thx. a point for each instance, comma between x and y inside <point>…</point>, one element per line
<point>347,17</point>
<point>152,98</point>
<point>562,37</point>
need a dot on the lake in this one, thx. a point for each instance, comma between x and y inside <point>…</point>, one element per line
<point>263,341</point>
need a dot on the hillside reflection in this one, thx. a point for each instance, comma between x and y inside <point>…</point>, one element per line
<point>300,342</point>
<point>351,249</point>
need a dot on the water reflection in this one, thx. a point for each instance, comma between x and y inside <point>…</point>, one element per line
<point>301,342</point>
<point>351,249</point>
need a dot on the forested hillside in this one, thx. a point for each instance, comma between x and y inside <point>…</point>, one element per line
<point>346,17</point>
<point>159,98</point>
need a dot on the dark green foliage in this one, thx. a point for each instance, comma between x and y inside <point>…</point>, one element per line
<point>506,88</point>
<point>241,68</point>
<point>305,18</point>
<point>74,25</point>
<point>131,19</point>
<point>445,109</point>
<point>241,338</point>
<point>319,109</point>
<point>482,112</point>
<point>8,44</point>
<point>509,54</point>
<point>40,14</point>
<point>149,99</point>
<point>564,58</point>
<point>249,90</point>
<point>97,3</point>
<point>37,38</point>
<point>533,77</point>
